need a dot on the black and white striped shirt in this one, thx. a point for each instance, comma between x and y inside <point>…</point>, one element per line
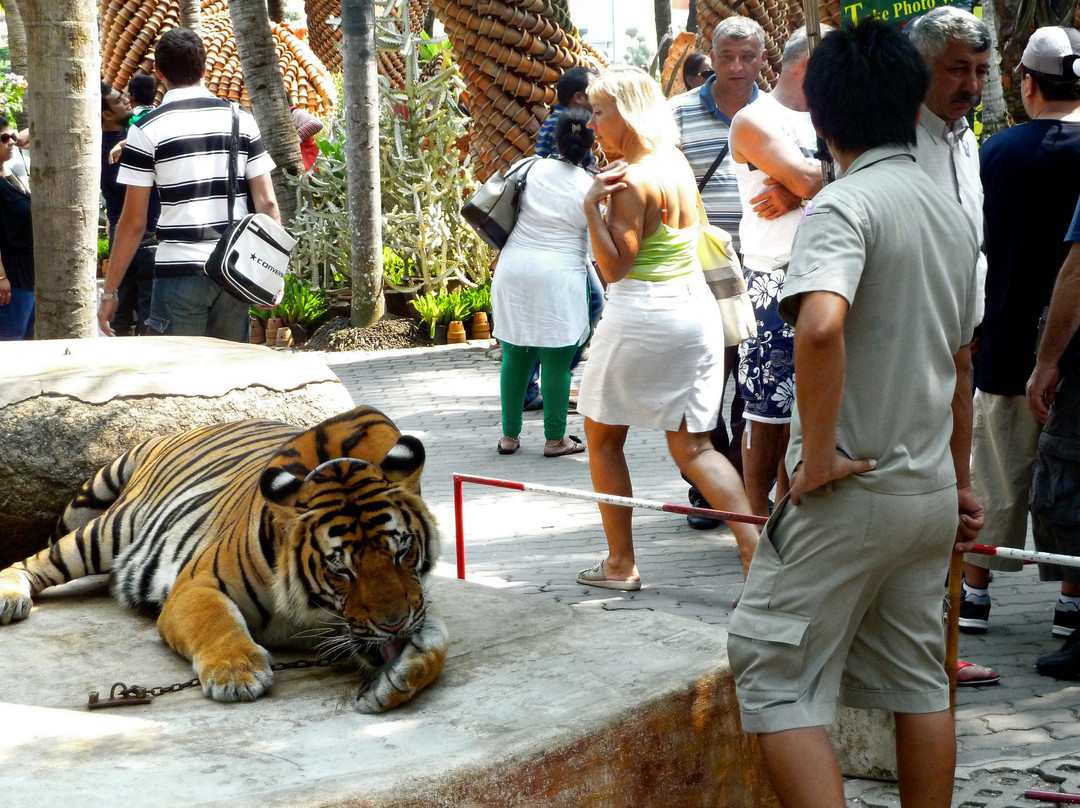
<point>183,148</point>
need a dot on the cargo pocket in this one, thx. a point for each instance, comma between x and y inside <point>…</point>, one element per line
<point>767,650</point>
<point>1055,488</point>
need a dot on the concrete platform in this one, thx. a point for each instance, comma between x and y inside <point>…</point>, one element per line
<point>541,704</point>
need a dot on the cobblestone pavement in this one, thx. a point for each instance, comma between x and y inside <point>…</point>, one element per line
<point>1021,734</point>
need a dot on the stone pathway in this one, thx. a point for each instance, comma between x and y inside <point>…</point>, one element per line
<point>1021,734</point>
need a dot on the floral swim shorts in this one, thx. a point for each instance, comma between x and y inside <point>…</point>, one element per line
<point>767,360</point>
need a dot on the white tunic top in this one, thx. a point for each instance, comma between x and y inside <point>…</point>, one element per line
<point>540,295</point>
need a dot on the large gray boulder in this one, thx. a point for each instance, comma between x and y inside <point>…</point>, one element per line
<point>68,407</point>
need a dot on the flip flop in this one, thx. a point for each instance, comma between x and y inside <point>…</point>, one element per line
<point>595,576</point>
<point>990,677</point>
<point>559,450</point>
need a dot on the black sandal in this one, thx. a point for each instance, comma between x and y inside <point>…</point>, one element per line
<point>561,449</point>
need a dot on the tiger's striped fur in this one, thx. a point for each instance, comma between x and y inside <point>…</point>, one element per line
<point>256,534</point>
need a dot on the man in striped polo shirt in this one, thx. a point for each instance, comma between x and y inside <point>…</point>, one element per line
<point>704,120</point>
<point>182,147</point>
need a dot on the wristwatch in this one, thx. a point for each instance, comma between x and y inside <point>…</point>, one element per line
<point>110,296</point>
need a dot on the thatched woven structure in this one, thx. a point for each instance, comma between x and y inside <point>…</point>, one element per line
<point>130,28</point>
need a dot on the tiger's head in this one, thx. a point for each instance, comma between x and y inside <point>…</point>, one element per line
<point>354,543</point>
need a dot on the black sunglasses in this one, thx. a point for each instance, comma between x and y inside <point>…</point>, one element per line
<point>707,74</point>
<point>8,137</point>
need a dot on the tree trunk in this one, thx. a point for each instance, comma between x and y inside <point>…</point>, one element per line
<point>275,10</point>
<point>266,89</point>
<point>1013,28</point>
<point>994,114</point>
<point>662,16</point>
<point>17,51</point>
<point>362,159</point>
<point>191,15</point>
<point>65,141</point>
<point>691,17</point>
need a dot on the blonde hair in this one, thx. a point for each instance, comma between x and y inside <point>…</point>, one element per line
<point>640,102</point>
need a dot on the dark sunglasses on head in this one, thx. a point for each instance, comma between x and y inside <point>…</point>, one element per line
<point>7,137</point>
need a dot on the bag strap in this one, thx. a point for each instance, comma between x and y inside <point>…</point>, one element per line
<point>525,166</point>
<point>712,169</point>
<point>234,158</point>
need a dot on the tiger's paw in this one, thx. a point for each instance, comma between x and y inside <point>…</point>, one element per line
<point>403,676</point>
<point>15,600</point>
<point>243,678</point>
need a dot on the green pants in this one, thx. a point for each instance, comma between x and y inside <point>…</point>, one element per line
<point>517,365</point>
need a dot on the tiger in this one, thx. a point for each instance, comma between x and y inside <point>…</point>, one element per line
<point>254,535</point>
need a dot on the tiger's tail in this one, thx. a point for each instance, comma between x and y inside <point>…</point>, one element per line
<point>82,544</point>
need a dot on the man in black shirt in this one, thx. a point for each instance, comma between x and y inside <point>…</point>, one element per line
<point>1031,179</point>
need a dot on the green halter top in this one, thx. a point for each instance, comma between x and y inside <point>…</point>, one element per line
<point>667,252</point>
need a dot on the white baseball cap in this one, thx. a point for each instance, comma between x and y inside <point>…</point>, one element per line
<point>1053,51</point>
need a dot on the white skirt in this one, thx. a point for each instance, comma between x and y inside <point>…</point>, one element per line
<point>657,357</point>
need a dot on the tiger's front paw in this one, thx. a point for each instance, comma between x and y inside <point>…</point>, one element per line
<point>241,678</point>
<point>402,677</point>
<point>15,600</point>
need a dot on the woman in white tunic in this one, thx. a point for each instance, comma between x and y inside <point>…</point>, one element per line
<point>540,293</point>
<point>657,356</point>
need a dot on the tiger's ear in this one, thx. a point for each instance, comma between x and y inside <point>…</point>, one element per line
<point>279,486</point>
<point>404,462</point>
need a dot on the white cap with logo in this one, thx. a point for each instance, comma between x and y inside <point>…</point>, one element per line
<point>1053,51</point>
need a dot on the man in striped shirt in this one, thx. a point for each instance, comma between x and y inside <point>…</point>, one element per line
<point>704,120</point>
<point>182,147</point>
<point>704,116</point>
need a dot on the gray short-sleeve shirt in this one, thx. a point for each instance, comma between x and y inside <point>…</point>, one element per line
<point>903,255</point>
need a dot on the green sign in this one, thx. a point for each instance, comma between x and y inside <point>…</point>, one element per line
<point>895,10</point>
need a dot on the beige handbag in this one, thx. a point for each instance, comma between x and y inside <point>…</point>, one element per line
<point>724,275</point>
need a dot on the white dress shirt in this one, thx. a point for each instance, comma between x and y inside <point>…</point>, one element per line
<point>951,159</point>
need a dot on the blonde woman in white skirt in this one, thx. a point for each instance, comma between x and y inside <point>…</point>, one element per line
<point>657,356</point>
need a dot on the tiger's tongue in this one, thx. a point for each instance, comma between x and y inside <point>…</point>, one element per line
<point>392,649</point>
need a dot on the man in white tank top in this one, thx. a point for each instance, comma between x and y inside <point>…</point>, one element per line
<point>772,143</point>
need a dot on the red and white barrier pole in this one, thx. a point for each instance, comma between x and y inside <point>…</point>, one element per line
<point>1052,796</point>
<point>573,493</point>
<point>1030,556</point>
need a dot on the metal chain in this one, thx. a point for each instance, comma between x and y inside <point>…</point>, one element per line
<point>121,694</point>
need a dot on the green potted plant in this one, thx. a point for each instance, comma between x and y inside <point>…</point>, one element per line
<point>301,308</point>
<point>428,309</point>
<point>480,299</point>
<point>258,317</point>
<point>458,307</point>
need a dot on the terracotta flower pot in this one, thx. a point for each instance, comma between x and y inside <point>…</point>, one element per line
<point>480,327</point>
<point>456,332</point>
<point>272,326</point>
<point>257,332</point>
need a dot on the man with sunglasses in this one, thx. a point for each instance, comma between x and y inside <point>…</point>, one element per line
<point>696,70</point>
<point>133,306</point>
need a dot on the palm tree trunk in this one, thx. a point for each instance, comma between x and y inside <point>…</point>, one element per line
<point>16,50</point>
<point>362,159</point>
<point>691,17</point>
<point>65,140</point>
<point>275,10</point>
<point>662,16</point>
<point>994,114</point>
<point>266,89</point>
<point>191,15</point>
